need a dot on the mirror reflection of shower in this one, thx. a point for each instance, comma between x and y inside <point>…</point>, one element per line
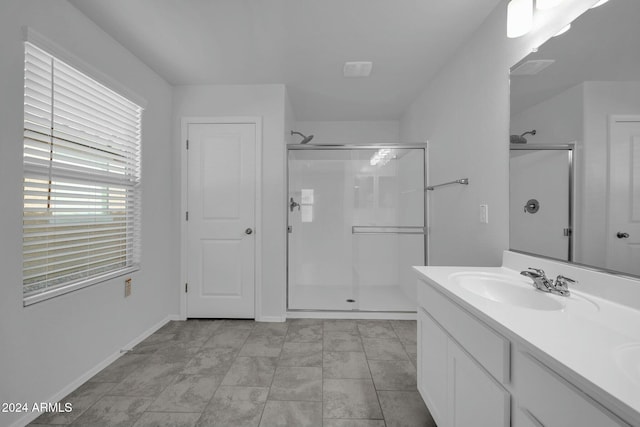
<point>305,139</point>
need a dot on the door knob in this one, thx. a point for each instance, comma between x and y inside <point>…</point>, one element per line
<point>621,235</point>
<point>248,231</point>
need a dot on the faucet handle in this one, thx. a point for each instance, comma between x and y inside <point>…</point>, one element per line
<point>562,280</point>
<point>539,271</point>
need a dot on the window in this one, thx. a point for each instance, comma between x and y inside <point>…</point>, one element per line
<point>81,221</point>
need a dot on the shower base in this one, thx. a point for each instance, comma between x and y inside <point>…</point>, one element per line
<point>335,298</point>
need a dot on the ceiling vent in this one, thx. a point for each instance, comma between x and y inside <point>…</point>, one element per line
<point>357,69</point>
<point>532,67</point>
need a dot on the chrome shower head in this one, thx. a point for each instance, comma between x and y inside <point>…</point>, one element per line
<point>520,139</point>
<point>305,139</point>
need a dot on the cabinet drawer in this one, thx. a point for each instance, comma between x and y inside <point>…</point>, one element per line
<point>552,401</point>
<point>488,347</point>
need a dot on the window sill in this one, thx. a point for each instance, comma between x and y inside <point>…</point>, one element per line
<point>56,292</point>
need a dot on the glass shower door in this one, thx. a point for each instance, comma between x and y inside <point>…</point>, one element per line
<point>320,264</point>
<point>388,232</point>
<point>356,225</point>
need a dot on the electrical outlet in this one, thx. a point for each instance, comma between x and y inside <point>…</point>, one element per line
<point>127,287</point>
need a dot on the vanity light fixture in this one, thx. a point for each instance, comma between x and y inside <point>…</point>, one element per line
<point>600,3</point>
<point>519,17</point>
<point>547,4</point>
<point>563,30</point>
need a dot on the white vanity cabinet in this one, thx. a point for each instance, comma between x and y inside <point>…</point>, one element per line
<point>471,375</point>
<point>458,389</point>
<point>432,366</point>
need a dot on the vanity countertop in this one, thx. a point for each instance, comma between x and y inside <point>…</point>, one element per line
<point>587,340</point>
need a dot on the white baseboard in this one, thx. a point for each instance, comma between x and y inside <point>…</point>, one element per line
<point>271,319</point>
<point>361,315</point>
<point>137,340</point>
<point>31,416</point>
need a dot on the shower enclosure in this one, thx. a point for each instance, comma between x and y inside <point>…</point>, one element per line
<point>541,199</point>
<point>356,225</point>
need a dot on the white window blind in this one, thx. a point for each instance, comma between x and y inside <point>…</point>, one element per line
<point>81,178</point>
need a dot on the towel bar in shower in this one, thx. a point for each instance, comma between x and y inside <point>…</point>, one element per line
<point>463,181</point>
<point>387,229</point>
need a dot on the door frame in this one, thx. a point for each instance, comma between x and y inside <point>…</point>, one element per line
<point>184,189</point>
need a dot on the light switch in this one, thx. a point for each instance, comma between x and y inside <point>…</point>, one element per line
<point>484,214</point>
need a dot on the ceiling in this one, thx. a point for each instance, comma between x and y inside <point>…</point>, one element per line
<point>602,45</point>
<point>301,43</point>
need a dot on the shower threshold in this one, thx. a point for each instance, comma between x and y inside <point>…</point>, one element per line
<point>345,298</point>
<point>352,315</point>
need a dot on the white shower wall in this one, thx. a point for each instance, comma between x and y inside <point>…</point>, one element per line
<point>324,247</point>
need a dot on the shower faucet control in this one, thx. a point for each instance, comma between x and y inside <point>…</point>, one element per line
<point>544,284</point>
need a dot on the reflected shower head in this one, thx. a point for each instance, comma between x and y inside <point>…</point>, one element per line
<point>520,139</point>
<point>305,139</point>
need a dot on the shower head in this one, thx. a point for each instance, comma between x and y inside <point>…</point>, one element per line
<point>520,139</point>
<point>305,139</point>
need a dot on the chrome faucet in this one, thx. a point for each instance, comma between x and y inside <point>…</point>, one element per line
<point>544,284</point>
<point>540,280</point>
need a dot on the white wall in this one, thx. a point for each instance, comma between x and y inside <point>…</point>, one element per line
<point>268,102</point>
<point>543,117</point>
<point>464,114</point>
<point>289,120</point>
<point>350,132</point>
<point>48,346</point>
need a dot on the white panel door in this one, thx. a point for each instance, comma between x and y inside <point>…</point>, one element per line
<point>623,239</point>
<point>221,223</point>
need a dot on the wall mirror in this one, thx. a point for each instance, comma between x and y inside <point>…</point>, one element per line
<point>575,143</point>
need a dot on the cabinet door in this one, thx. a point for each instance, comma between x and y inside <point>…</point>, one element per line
<point>475,398</point>
<point>432,366</point>
<point>523,418</point>
<point>552,400</point>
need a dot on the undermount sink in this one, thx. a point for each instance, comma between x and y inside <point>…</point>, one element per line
<point>627,358</point>
<point>507,290</point>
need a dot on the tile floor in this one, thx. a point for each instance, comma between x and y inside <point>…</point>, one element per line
<point>236,373</point>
